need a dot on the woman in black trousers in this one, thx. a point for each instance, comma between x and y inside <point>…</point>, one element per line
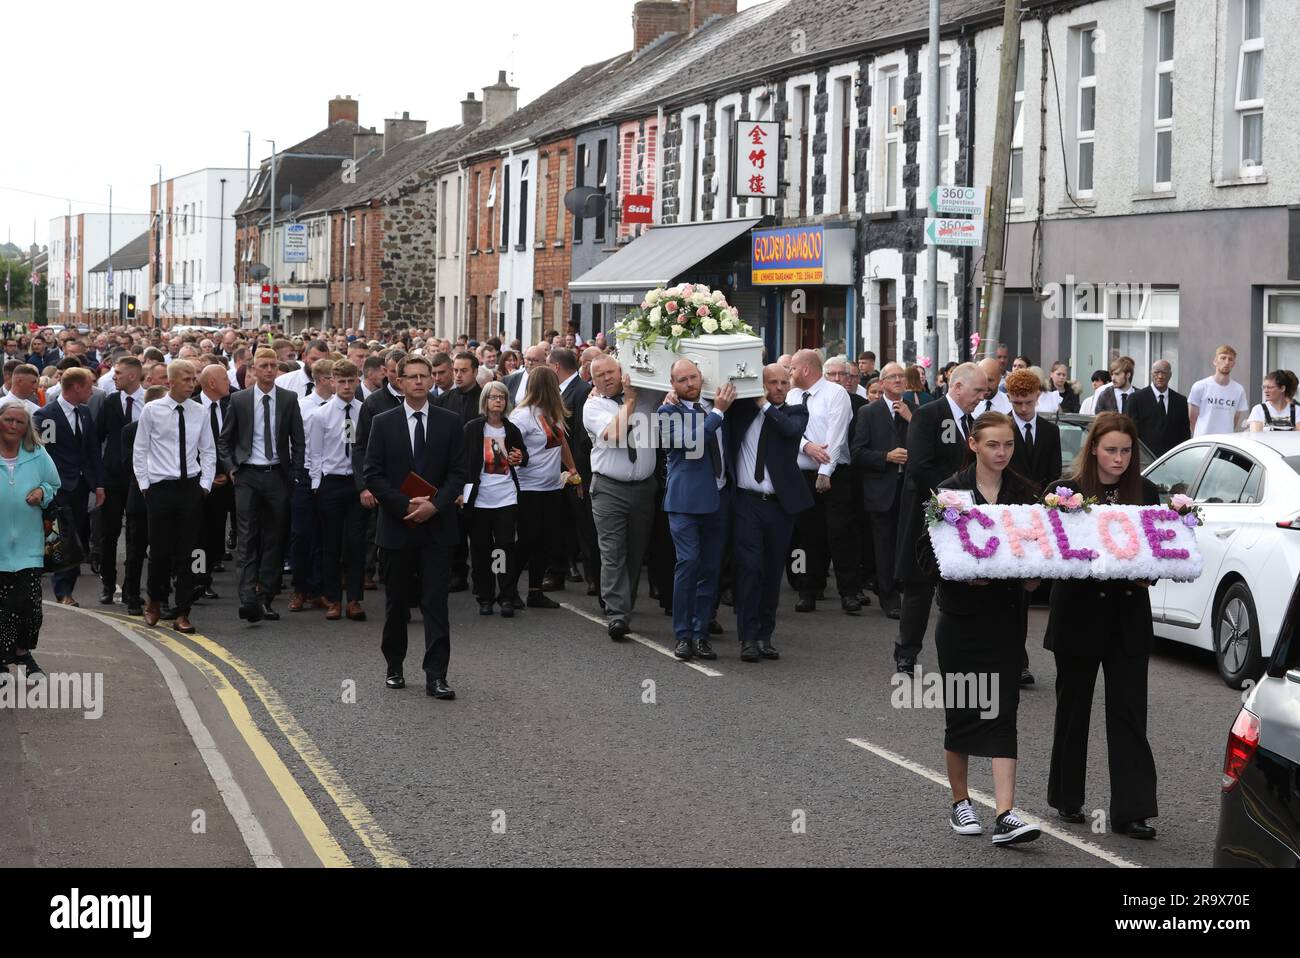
<point>980,644</point>
<point>1108,624</point>
<point>494,446</point>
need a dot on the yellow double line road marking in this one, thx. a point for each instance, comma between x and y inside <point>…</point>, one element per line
<point>313,827</point>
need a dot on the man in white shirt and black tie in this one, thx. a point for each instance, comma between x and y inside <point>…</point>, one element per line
<point>119,409</point>
<point>174,461</point>
<point>331,436</point>
<point>825,532</point>
<point>623,487</point>
<point>214,397</point>
<point>995,400</point>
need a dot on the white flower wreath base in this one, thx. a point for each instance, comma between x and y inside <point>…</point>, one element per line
<point>1035,542</point>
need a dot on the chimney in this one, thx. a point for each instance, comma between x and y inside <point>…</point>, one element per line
<point>652,19</point>
<point>344,108</point>
<point>365,141</point>
<point>471,110</point>
<point>499,100</point>
<point>701,10</point>
<point>399,131</point>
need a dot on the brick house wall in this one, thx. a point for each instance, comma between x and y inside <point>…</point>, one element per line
<point>553,252</point>
<point>482,272</point>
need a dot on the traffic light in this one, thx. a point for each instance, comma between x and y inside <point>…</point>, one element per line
<point>121,307</point>
<point>130,308</point>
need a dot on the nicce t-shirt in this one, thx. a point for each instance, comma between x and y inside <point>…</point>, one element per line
<point>1217,406</point>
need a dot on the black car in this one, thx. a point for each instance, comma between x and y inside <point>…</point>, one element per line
<point>1074,426</point>
<point>1259,810</point>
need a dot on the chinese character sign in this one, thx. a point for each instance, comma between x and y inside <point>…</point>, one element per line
<point>757,154</point>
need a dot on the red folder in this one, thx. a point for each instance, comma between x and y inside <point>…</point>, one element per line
<point>416,486</point>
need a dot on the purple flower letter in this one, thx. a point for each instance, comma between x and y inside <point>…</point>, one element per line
<point>1063,541</point>
<point>1156,536</point>
<point>990,547</point>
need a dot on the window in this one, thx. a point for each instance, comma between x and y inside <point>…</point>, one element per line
<point>804,94</point>
<point>1143,324</point>
<point>945,121</point>
<point>1281,329</point>
<point>892,115</point>
<point>1017,190</point>
<point>602,182</point>
<point>1226,478</point>
<point>523,204</point>
<point>579,179</point>
<point>472,226</point>
<point>490,205</point>
<point>1086,111</point>
<point>560,187</point>
<point>442,231</point>
<point>352,231</point>
<point>693,172</point>
<point>1164,116</point>
<point>505,204</point>
<point>1178,473</point>
<point>1250,87</point>
<point>844,99</point>
<point>543,187</point>
<point>726,135</point>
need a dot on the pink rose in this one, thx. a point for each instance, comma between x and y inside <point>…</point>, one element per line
<point>688,290</point>
<point>1075,501</point>
<point>1181,502</point>
<point>950,499</point>
<point>671,308</point>
<point>702,312</point>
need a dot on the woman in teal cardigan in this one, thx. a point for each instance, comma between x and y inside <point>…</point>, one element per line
<point>28,482</point>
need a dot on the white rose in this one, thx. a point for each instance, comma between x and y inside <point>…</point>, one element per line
<point>727,324</point>
<point>677,330</point>
<point>718,298</point>
<point>656,317</point>
<point>701,288</point>
<point>653,297</point>
<point>710,325</point>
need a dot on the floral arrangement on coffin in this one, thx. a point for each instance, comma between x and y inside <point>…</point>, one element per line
<point>1065,499</point>
<point>1187,510</point>
<point>682,312</point>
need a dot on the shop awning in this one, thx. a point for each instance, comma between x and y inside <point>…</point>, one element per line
<point>661,255</point>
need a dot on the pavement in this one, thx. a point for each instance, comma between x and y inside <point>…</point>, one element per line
<point>562,748</point>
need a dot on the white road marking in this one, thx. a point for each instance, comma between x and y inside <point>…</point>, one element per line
<point>259,845</point>
<point>989,802</point>
<point>642,640</point>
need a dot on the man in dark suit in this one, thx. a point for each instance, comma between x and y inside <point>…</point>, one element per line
<point>462,399</point>
<point>73,443</point>
<point>879,451</point>
<point>117,412</point>
<point>262,449</point>
<point>214,395</point>
<point>580,529</point>
<point>423,439</point>
<point>840,370</point>
<point>936,448</point>
<point>1160,413</point>
<point>696,501</point>
<point>763,437</point>
<point>386,397</point>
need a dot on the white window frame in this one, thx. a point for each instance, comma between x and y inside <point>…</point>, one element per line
<point>1165,126</point>
<point>946,163</point>
<point>352,231</point>
<point>1253,107</point>
<point>1143,323</point>
<point>881,185</point>
<point>1018,133</point>
<point>1084,137</point>
<point>1273,331</point>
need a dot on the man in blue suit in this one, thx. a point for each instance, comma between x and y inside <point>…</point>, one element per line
<point>697,501</point>
<point>72,441</point>
<point>763,439</point>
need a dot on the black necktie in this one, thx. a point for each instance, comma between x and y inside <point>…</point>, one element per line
<point>130,402</point>
<point>1029,437</point>
<point>631,430</point>
<point>966,424</point>
<point>308,388</point>
<point>76,423</point>
<point>1160,398</point>
<point>418,445</point>
<point>988,405</point>
<point>180,425</point>
<point>267,449</point>
<point>760,457</point>
<point>216,425</point>
<point>347,432</point>
<point>1123,401</point>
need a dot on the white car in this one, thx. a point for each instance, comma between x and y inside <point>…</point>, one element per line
<point>1248,486</point>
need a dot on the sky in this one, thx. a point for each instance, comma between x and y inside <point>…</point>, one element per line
<point>104,99</point>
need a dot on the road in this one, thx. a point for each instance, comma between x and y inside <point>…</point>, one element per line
<point>563,748</point>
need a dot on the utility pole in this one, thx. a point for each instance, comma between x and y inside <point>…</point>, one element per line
<point>272,254</point>
<point>157,255</point>
<point>995,276</point>
<point>221,251</point>
<point>109,302</point>
<point>932,162</point>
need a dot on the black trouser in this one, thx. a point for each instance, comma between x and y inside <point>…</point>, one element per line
<point>826,535</point>
<point>111,515</point>
<point>460,555</point>
<point>918,596</point>
<point>261,509</point>
<point>137,547</point>
<point>216,507</point>
<point>540,530</point>
<point>662,556</point>
<point>1132,767</point>
<point>304,536</point>
<point>760,541</point>
<point>581,534</point>
<point>884,538</point>
<point>342,526</point>
<point>77,497</point>
<point>175,512</point>
<point>490,530</point>
<point>433,561</point>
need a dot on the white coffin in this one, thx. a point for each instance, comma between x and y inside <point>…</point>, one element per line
<point>734,359</point>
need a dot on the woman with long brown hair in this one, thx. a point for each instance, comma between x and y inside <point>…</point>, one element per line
<point>1104,623</point>
<point>978,634</point>
<point>540,418</point>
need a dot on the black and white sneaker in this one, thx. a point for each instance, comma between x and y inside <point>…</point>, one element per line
<point>1010,830</point>
<point>963,819</point>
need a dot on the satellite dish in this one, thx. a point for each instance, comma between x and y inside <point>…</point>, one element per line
<point>585,202</point>
<point>290,202</point>
<point>258,272</point>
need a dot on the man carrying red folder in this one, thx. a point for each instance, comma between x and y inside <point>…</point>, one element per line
<point>415,468</point>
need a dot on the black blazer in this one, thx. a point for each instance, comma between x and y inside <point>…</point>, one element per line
<point>381,400</point>
<point>135,504</point>
<point>783,431</point>
<point>1088,616</point>
<point>474,453</point>
<point>1044,466</point>
<point>935,450</point>
<point>1160,431</point>
<point>109,424</point>
<point>72,459</point>
<point>575,401</point>
<point>236,442</point>
<point>463,403</point>
<point>389,461</point>
<point>876,433</point>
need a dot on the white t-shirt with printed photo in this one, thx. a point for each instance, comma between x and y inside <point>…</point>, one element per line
<point>1217,406</point>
